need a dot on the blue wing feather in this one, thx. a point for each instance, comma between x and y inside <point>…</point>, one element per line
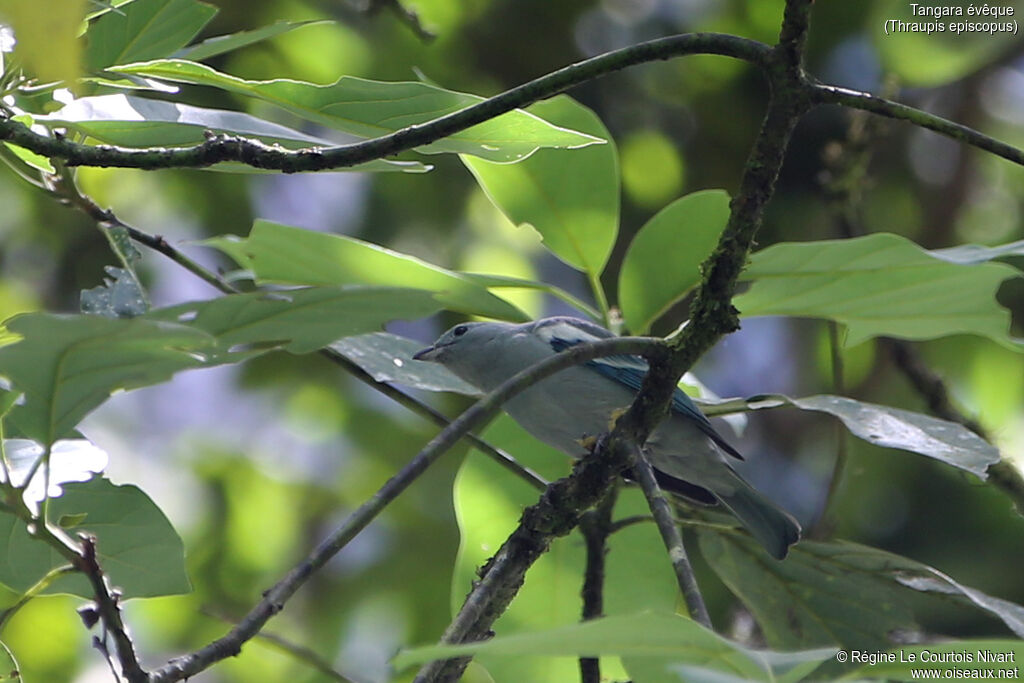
<point>563,333</point>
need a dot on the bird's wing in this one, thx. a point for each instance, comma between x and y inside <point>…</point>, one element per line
<point>562,333</point>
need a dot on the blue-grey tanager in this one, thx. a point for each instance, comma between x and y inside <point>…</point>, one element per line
<point>688,455</point>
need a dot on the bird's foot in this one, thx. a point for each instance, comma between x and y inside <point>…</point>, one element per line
<point>614,418</point>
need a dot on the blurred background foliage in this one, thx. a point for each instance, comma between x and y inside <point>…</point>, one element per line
<point>254,463</point>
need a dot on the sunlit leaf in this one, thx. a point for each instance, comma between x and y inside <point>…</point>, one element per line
<point>136,546</point>
<point>885,426</point>
<point>36,161</point>
<point>663,260</point>
<point>570,198</point>
<point>218,45</point>
<point>70,460</point>
<point>68,365</point>
<point>282,254</point>
<point>880,284</point>
<point>47,34</point>
<point>144,29</point>
<point>373,108</point>
<point>131,121</point>
<point>836,593</point>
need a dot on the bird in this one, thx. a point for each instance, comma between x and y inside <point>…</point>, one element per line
<point>568,409</point>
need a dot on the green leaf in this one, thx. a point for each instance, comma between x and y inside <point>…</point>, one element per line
<point>70,460</point>
<point>36,161</point>
<point>121,297</point>
<point>885,426</point>
<point>297,320</point>
<point>949,660</point>
<point>876,285</point>
<point>136,546</point>
<point>68,365</point>
<point>282,254</point>
<point>664,258</point>
<point>388,358</point>
<point>374,108</point>
<point>130,121</point>
<point>144,29</point>
<point>570,198</point>
<point>218,45</point>
<point>836,593</point>
<point>665,639</point>
<point>124,296</point>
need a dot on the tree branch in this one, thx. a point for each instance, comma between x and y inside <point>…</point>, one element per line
<point>220,148</point>
<point>484,409</point>
<point>830,94</point>
<point>556,514</point>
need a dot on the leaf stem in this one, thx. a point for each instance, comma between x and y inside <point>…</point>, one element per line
<point>40,585</point>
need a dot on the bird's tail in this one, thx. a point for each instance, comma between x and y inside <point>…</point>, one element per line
<point>773,528</point>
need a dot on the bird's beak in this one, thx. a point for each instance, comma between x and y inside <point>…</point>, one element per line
<point>425,354</point>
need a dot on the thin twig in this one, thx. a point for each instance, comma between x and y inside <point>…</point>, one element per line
<point>300,652</point>
<point>110,611</point>
<point>596,526</point>
<point>843,184</point>
<point>625,522</point>
<point>830,94</point>
<point>220,148</point>
<point>405,15</point>
<point>842,438</point>
<point>932,388</point>
<point>33,592</point>
<point>673,540</point>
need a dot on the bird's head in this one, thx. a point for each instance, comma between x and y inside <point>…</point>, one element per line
<point>464,343</point>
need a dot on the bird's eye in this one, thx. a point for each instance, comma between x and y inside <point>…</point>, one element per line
<point>459,331</point>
